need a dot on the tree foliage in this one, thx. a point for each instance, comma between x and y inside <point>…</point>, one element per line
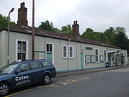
<point>4,22</point>
<point>46,25</point>
<point>66,29</point>
<point>121,38</point>
<point>116,36</point>
<point>50,27</point>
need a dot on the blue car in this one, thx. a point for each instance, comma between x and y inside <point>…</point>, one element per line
<point>19,74</point>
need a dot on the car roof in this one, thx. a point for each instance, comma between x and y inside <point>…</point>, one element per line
<point>38,60</point>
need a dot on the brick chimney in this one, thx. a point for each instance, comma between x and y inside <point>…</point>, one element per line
<point>22,15</point>
<point>75,29</point>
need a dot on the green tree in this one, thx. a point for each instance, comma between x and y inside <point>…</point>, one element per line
<point>4,22</point>
<point>56,30</point>
<point>110,35</point>
<point>116,36</point>
<point>121,38</point>
<point>66,29</point>
<point>48,26</point>
<point>89,33</point>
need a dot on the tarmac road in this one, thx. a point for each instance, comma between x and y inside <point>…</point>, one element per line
<point>113,83</point>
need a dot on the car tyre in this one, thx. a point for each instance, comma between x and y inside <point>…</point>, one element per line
<point>46,79</point>
<point>4,89</point>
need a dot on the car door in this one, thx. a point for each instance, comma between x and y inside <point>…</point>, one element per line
<point>22,75</point>
<point>36,71</point>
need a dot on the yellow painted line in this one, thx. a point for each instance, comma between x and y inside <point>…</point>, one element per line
<point>43,86</point>
<point>66,83</point>
<point>84,78</point>
<point>11,95</point>
<point>54,84</point>
<point>74,81</point>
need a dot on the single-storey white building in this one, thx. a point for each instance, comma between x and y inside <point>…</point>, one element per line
<point>66,52</point>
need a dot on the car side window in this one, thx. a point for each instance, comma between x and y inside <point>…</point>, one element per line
<point>35,65</point>
<point>23,67</point>
<point>45,63</point>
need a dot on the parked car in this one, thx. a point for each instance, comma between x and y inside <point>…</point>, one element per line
<point>18,74</point>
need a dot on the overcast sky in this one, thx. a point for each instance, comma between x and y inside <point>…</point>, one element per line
<point>96,14</point>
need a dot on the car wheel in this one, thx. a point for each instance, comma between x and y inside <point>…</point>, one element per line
<point>46,79</point>
<point>4,89</point>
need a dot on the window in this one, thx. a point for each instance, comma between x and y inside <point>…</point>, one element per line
<point>101,58</point>
<point>45,63</point>
<point>93,57</point>
<point>65,52</point>
<point>35,65</point>
<point>97,55</point>
<point>105,55</point>
<point>21,50</point>
<point>49,48</point>
<point>88,48</point>
<point>23,67</point>
<point>71,51</point>
<point>87,58</point>
<point>113,57</point>
<point>90,58</point>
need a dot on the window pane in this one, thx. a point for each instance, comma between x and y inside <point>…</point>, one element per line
<point>64,48</point>
<point>23,56</point>
<point>24,47</point>
<point>96,53</point>
<point>104,55</point>
<point>64,51</point>
<point>49,47</point>
<point>19,46</point>
<point>46,63</point>
<point>19,56</point>
<point>35,65</point>
<point>24,67</point>
<point>87,58</point>
<point>71,52</point>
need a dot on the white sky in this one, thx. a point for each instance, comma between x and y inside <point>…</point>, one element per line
<point>96,14</point>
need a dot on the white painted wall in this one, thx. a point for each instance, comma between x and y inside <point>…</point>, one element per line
<point>61,64</point>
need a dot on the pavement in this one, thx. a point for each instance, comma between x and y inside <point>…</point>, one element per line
<point>84,71</point>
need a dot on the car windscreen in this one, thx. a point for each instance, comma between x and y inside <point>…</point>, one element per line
<point>8,68</point>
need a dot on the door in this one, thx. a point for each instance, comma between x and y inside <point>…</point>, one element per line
<point>49,54</point>
<point>22,75</point>
<point>82,60</point>
<point>36,72</point>
<point>109,58</point>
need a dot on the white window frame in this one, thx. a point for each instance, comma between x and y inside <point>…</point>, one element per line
<point>66,51</point>
<point>27,48</point>
<point>72,52</point>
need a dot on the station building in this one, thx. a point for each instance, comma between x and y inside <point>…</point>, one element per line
<point>66,52</point>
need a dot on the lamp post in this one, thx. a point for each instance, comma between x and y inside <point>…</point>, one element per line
<point>8,32</point>
<point>33,32</point>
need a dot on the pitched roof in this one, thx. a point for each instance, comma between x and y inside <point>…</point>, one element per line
<point>44,33</point>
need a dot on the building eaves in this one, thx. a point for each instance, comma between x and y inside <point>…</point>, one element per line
<point>44,33</point>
